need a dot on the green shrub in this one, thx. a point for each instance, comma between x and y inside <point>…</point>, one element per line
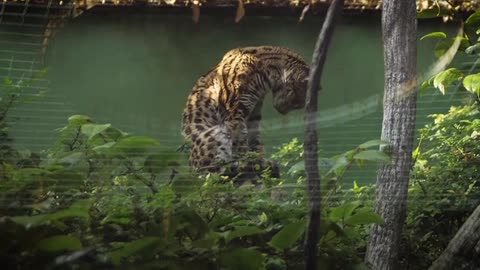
<point>102,198</point>
<point>445,186</point>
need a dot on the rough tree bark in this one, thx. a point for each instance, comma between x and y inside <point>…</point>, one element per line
<point>399,25</point>
<point>311,147</point>
<point>463,251</point>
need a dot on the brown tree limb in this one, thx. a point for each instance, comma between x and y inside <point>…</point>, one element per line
<point>463,251</point>
<point>399,27</point>
<point>311,147</point>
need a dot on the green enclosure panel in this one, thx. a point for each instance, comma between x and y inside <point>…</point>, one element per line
<point>135,72</point>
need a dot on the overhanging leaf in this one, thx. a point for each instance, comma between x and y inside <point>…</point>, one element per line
<point>472,83</point>
<point>72,158</point>
<point>241,231</point>
<point>78,209</point>
<point>59,243</point>
<point>372,155</point>
<point>440,35</point>
<point>364,217</point>
<point>288,236</point>
<point>135,145</point>
<point>473,21</point>
<point>78,120</point>
<point>297,168</point>
<point>474,49</point>
<point>325,164</point>
<point>342,212</point>
<point>433,12</point>
<point>372,143</point>
<point>340,163</point>
<point>446,78</point>
<point>93,129</point>
<point>104,148</point>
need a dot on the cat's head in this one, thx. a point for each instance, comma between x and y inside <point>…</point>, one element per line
<point>291,93</point>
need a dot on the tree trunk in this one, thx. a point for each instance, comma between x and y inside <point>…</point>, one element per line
<point>311,147</point>
<point>399,25</point>
<point>463,251</point>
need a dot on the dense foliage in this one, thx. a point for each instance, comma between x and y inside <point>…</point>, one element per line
<point>444,184</point>
<point>467,43</point>
<point>445,187</point>
<point>102,198</point>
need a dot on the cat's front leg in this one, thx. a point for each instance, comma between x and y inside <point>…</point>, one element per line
<point>239,138</point>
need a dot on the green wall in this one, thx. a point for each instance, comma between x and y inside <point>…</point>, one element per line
<point>135,71</point>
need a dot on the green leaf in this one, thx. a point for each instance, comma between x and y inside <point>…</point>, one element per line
<point>29,221</point>
<point>59,243</point>
<point>372,155</point>
<point>473,21</point>
<point>342,212</point>
<point>135,145</point>
<point>241,231</point>
<point>474,49</point>
<point>134,248</point>
<point>114,133</point>
<point>243,259</point>
<point>441,35</point>
<point>299,167</point>
<point>7,82</point>
<point>472,83</point>
<point>208,241</point>
<point>416,152</point>
<point>104,148</point>
<point>433,12</point>
<point>424,86</point>
<point>325,164</point>
<point>197,226</point>
<point>288,236</point>
<point>78,209</point>
<point>91,130</point>
<point>339,166</point>
<point>358,189</point>
<point>78,120</point>
<point>72,158</point>
<point>364,217</point>
<point>372,143</point>
<point>446,78</point>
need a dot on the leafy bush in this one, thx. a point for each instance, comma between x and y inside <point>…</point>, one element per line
<point>103,198</point>
<point>445,187</point>
<point>468,44</point>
